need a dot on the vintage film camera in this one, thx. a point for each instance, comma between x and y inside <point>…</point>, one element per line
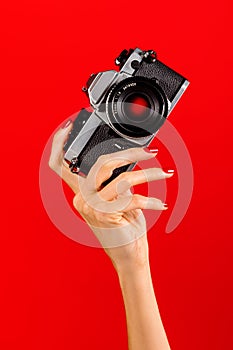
<point>129,107</point>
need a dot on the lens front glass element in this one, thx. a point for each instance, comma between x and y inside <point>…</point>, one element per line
<point>136,107</point>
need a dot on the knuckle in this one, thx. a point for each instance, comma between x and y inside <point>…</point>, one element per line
<point>100,216</point>
<point>137,198</point>
<point>135,150</point>
<point>103,158</point>
<point>52,164</point>
<point>151,174</point>
<point>159,172</point>
<point>153,203</point>
<point>85,209</point>
<point>130,153</point>
<point>106,169</point>
<point>56,136</point>
<point>100,162</point>
<point>77,202</point>
<point>158,203</point>
<point>124,176</point>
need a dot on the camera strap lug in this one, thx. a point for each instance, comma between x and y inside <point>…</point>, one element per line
<point>73,165</point>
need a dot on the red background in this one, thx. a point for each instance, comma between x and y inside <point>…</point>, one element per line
<point>55,293</point>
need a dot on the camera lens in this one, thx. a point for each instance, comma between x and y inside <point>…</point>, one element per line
<point>136,107</point>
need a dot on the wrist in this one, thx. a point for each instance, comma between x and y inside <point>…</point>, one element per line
<point>130,258</point>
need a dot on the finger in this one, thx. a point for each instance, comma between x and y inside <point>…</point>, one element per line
<point>128,179</point>
<point>125,204</point>
<point>104,166</point>
<point>138,201</point>
<point>56,161</point>
<point>57,152</point>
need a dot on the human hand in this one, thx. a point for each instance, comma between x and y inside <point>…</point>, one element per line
<point>113,212</point>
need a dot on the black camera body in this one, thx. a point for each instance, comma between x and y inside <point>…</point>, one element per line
<point>129,107</point>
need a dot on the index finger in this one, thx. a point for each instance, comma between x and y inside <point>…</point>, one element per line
<point>104,166</point>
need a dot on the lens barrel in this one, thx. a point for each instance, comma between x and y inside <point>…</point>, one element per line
<point>136,107</point>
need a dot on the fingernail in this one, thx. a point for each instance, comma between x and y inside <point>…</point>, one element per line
<point>165,206</point>
<point>82,174</point>
<point>151,150</point>
<point>66,124</point>
<point>169,171</point>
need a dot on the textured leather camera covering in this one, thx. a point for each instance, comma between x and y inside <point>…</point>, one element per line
<point>169,80</point>
<point>104,141</point>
